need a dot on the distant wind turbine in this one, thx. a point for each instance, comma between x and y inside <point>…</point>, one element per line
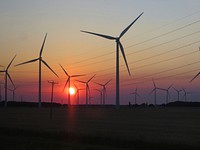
<point>118,46</point>
<point>135,93</point>
<point>40,70</point>
<point>167,92</point>
<point>87,88</point>
<point>155,92</point>
<point>13,92</point>
<point>104,92</point>
<point>178,93</point>
<point>185,94</point>
<point>52,89</point>
<point>101,95</point>
<point>69,82</point>
<point>77,93</point>
<point>7,75</point>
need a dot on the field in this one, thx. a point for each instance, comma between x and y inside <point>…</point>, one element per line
<point>100,128</point>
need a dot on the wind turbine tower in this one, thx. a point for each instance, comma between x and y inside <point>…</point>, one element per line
<point>118,46</point>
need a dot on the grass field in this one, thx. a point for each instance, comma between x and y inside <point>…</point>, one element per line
<point>100,128</point>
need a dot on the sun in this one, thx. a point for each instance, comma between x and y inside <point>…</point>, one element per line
<point>71,91</point>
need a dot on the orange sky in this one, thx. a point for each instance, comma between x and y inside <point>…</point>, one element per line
<point>162,44</point>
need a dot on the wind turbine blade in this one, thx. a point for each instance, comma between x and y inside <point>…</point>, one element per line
<point>65,84</point>
<point>73,76</point>
<point>10,79</point>
<point>101,35</point>
<point>2,71</point>
<point>169,86</point>
<point>49,67</point>
<point>154,84</point>
<point>195,77</point>
<point>99,84</point>
<point>126,29</point>
<point>123,53</point>
<point>161,89</point>
<point>91,78</point>
<point>175,89</point>
<point>30,61</point>
<point>81,81</point>
<point>41,50</point>
<point>11,62</point>
<point>152,91</point>
<point>97,90</point>
<point>64,70</point>
<point>75,86</point>
<point>107,82</point>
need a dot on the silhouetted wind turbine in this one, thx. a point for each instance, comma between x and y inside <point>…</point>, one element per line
<point>104,90</point>
<point>178,93</point>
<point>118,45</point>
<point>101,95</point>
<point>155,92</point>
<point>185,94</point>
<point>78,93</point>
<point>135,93</point>
<point>167,92</point>
<point>68,82</point>
<point>52,88</point>
<point>7,75</point>
<point>87,88</point>
<point>13,92</point>
<point>40,70</point>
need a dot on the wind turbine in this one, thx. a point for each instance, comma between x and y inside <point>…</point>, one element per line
<point>155,92</point>
<point>135,93</point>
<point>167,92</point>
<point>40,70</point>
<point>101,95</point>
<point>118,46</point>
<point>104,90</point>
<point>68,82</point>
<point>13,92</point>
<point>87,88</point>
<point>78,93</point>
<point>185,94</point>
<point>52,88</point>
<point>178,93</point>
<point>7,75</point>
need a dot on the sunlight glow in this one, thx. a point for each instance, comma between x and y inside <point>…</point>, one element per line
<point>71,91</point>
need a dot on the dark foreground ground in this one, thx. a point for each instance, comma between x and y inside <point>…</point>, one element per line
<point>174,128</point>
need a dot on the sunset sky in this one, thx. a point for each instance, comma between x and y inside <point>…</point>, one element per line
<point>163,44</point>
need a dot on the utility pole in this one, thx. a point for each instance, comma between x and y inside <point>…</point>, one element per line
<point>52,88</point>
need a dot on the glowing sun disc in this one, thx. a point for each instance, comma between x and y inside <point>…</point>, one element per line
<point>71,91</point>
